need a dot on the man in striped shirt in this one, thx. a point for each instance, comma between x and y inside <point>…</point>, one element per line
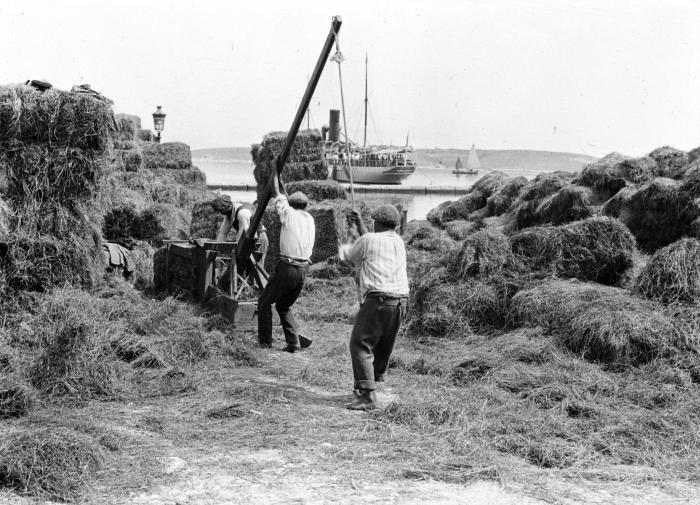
<point>297,235</point>
<point>381,259</point>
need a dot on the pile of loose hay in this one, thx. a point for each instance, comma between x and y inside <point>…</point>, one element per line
<point>671,162</point>
<point>500,201</point>
<point>601,323</point>
<point>423,235</point>
<point>475,200</point>
<point>53,463</point>
<point>658,213</point>
<point>523,211</point>
<point>459,230</point>
<point>570,203</point>
<point>16,398</point>
<point>169,155</point>
<point>318,190</point>
<point>596,249</point>
<point>672,274</point>
<point>485,253</point>
<point>603,176</point>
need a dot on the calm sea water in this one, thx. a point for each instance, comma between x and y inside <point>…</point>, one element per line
<point>236,172</point>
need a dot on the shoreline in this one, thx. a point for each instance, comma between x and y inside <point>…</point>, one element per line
<point>409,190</point>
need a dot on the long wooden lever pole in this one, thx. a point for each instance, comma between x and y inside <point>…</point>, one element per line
<point>245,248</point>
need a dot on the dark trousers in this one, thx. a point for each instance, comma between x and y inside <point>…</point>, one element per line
<point>373,336</point>
<point>283,289</point>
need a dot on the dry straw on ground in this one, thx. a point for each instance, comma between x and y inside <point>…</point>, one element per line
<point>54,463</point>
<point>672,274</point>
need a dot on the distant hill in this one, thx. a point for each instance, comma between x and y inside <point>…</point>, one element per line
<point>539,161</point>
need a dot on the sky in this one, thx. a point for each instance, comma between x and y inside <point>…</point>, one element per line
<point>583,76</point>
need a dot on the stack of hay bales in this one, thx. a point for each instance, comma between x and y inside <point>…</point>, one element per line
<point>127,154</point>
<point>53,146</point>
<point>170,155</point>
<point>305,161</point>
<point>153,224</point>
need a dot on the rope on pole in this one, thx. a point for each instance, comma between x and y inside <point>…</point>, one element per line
<point>338,58</point>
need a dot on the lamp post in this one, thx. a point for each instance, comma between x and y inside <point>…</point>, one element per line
<point>158,122</point>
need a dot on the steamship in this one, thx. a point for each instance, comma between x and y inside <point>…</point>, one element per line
<point>349,162</point>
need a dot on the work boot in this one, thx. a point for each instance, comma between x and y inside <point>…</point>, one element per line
<point>366,400</point>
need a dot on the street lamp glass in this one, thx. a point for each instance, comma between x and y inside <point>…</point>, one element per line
<point>159,119</point>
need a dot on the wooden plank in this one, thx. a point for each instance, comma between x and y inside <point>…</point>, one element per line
<point>222,247</point>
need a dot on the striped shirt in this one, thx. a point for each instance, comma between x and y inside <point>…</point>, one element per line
<point>298,231</point>
<point>381,258</point>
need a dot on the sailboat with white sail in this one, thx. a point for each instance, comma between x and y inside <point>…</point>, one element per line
<point>473,164</point>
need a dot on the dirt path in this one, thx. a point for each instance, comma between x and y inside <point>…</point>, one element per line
<point>263,427</point>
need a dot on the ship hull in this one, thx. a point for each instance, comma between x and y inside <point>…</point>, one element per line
<point>465,172</point>
<point>372,175</point>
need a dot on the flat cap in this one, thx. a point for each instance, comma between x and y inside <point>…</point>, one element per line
<point>387,214</point>
<point>298,198</point>
<point>222,204</point>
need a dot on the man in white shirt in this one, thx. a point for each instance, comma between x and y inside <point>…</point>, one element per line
<point>297,235</point>
<point>383,280</point>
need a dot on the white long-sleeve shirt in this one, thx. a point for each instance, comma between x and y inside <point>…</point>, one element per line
<point>298,231</point>
<point>381,258</point>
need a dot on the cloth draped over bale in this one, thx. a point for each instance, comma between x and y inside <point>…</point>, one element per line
<point>117,256</point>
<point>170,155</point>
<point>305,161</point>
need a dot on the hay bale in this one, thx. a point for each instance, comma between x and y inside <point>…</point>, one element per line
<point>192,177</point>
<point>145,136</point>
<point>597,322</point>
<point>459,230</point>
<point>47,173</point>
<point>603,176</point>
<point>169,155</point>
<point>691,180</point>
<point>39,263</point>
<point>61,119</point>
<point>305,161</point>
<point>658,213</point>
<point>161,222</point>
<point>142,259</point>
<point>500,201</point>
<point>50,463</point>
<point>205,222</point>
<point>672,274</point>
<point>597,249</point>
<point>125,133</point>
<point>671,162</point>
<point>318,190</point>
<point>523,211</point>
<point>128,160</point>
<point>16,398</point>
<point>5,215</point>
<point>485,253</point>
<point>570,203</point>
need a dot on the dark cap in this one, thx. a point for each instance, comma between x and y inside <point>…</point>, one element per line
<point>387,214</point>
<point>222,204</point>
<point>298,198</point>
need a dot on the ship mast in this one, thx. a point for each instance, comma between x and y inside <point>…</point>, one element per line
<point>364,143</point>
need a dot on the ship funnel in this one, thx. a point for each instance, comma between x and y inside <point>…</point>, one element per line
<point>334,126</point>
